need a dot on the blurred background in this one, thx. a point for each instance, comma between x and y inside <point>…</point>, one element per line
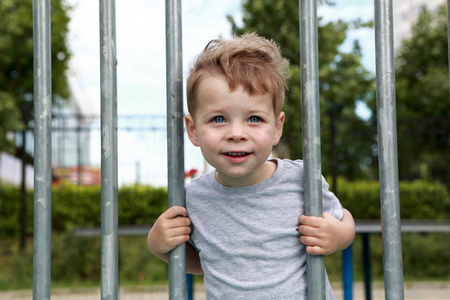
<point>348,124</point>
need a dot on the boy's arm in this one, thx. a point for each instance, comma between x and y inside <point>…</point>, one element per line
<point>323,236</point>
<point>170,230</point>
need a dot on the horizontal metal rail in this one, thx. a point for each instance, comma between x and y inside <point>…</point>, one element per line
<point>362,226</point>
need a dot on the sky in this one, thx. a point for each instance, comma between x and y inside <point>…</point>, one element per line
<point>141,70</point>
<point>141,45</point>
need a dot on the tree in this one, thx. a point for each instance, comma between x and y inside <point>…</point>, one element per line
<point>16,63</point>
<point>343,82</point>
<point>16,78</point>
<point>423,106</point>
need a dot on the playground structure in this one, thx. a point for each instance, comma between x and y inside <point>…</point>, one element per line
<point>387,144</point>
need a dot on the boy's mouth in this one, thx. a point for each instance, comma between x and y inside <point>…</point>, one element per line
<point>236,154</point>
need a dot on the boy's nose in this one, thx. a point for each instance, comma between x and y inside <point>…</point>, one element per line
<point>236,132</point>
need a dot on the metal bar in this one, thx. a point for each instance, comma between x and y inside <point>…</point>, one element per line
<point>387,150</point>
<point>367,266</point>
<point>23,189</point>
<point>309,61</point>
<point>423,226</point>
<point>190,286</point>
<point>42,149</point>
<point>347,272</point>
<point>109,194</point>
<point>175,144</point>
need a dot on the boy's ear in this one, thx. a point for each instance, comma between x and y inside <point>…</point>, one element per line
<point>279,122</point>
<point>191,129</point>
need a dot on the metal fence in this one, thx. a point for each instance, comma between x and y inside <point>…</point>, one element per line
<point>386,116</point>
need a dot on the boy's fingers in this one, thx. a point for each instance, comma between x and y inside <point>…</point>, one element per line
<point>175,211</point>
<point>183,230</point>
<point>179,222</point>
<point>314,250</point>
<point>310,220</point>
<point>310,240</point>
<point>180,239</point>
<point>306,230</point>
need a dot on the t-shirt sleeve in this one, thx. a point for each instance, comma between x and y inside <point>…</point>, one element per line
<point>330,203</point>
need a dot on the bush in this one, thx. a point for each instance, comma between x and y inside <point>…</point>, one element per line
<point>76,260</point>
<point>74,206</point>
<point>419,200</point>
<point>10,211</point>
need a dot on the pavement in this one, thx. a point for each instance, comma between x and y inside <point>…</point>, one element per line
<point>413,290</point>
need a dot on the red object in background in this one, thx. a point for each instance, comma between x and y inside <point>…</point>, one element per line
<point>191,173</point>
<point>88,175</point>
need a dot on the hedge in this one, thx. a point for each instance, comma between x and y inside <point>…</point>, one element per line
<point>76,260</point>
<point>419,200</point>
<point>74,206</point>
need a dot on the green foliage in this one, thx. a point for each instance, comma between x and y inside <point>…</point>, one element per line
<point>74,206</point>
<point>76,260</point>
<point>425,257</point>
<point>343,82</point>
<point>16,267</point>
<point>419,200</point>
<point>422,80</point>
<point>10,211</point>
<point>16,62</point>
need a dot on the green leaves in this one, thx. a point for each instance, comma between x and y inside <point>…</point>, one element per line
<point>423,105</point>
<point>343,82</point>
<point>16,62</point>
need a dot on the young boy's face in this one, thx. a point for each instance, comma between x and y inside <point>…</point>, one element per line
<point>235,132</point>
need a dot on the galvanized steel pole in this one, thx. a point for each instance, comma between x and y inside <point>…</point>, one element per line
<point>387,150</point>
<point>175,144</point>
<point>109,183</point>
<point>309,62</point>
<point>42,149</point>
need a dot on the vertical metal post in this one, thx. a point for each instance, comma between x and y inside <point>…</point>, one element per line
<point>42,149</point>
<point>367,266</point>
<point>387,150</point>
<point>109,193</point>
<point>347,272</point>
<point>309,63</point>
<point>23,188</point>
<point>175,144</point>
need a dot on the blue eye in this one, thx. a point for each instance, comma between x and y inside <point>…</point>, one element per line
<point>254,119</point>
<point>218,119</point>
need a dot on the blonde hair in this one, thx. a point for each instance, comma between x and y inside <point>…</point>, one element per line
<point>249,61</point>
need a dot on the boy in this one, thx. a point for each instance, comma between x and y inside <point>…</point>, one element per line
<point>245,214</point>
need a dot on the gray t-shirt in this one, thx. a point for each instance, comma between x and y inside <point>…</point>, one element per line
<point>247,237</point>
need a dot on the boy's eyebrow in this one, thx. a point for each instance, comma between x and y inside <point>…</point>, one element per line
<point>256,111</point>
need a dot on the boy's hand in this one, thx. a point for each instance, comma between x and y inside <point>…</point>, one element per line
<point>170,230</point>
<point>323,236</point>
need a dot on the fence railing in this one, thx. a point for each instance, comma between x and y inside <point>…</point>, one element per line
<point>386,116</point>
